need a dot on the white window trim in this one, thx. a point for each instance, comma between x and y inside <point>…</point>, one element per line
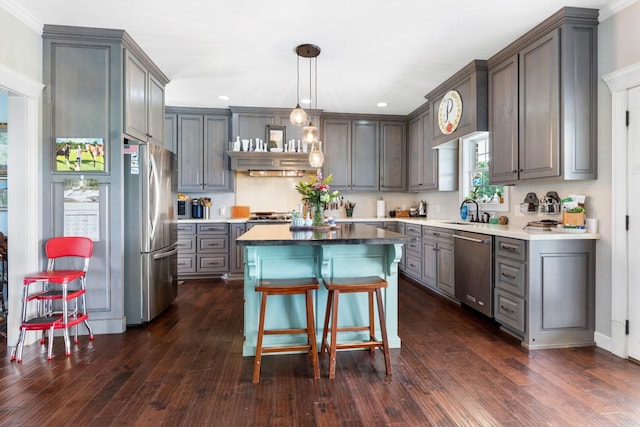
<point>465,187</point>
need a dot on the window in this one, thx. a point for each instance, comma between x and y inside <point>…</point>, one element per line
<point>476,175</point>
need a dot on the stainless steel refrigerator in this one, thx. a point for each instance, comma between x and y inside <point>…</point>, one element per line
<point>150,240</point>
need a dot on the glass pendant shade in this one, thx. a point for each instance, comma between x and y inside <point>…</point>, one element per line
<point>298,116</point>
<point>310,134</point>
<point>316,158</point>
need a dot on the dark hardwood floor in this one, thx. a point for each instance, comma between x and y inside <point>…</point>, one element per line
<point>186,369</point>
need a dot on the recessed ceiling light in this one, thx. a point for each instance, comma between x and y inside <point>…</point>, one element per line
<point>224,97</point>
<point>382,104</point>
<point>305,101</point>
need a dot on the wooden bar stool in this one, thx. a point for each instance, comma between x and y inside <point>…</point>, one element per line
<point>336,286</point>
<point>304,286</point>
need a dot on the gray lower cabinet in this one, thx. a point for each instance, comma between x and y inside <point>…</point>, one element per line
<point>400,228</point>
<point>545,291</point>
<point>542,101</point>
<point>413,258</point>
<point>236,264</point>
<point>203,250</point>
<point>438,262</point>
<point>202,137</point>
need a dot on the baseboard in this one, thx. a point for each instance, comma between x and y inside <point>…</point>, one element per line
<point>603,341</point>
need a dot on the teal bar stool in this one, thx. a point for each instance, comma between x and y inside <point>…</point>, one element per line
<point>305,286</point>
<point>336,286</point>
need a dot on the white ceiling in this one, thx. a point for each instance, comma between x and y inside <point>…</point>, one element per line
<point>372,50</point>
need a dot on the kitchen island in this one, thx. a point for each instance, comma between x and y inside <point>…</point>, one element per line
<point>347,250</point>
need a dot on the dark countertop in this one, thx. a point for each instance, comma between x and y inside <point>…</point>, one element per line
<point>343,234</point>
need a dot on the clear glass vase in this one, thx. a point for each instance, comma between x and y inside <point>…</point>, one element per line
<point>318,215</point>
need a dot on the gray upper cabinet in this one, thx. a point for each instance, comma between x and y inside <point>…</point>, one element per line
<point>365,171</point>
<point>202,140</point>
<point>337,152</point>
<point>171,132</point>
<point>190,152</point>
<point>503,114</point>
<point>365,153</point>
<point>217,176</point>
<point>543,100</point>
<point>471,84</point>
<point>393,156</point>
<point>144,102</point>
<point>423,167</point>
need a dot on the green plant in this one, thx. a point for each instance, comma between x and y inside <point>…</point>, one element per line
<point>316,191</point>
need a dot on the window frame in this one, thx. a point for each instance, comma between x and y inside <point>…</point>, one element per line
<point>468,159</point>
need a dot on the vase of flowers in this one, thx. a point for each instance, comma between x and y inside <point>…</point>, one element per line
<point>317,194</point>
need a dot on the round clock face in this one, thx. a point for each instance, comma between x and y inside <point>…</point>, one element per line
<point>450,112</point>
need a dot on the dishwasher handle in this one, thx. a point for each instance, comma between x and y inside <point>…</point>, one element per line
<point>471,239</point>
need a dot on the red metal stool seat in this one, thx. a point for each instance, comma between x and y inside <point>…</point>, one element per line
<point>55,287</point>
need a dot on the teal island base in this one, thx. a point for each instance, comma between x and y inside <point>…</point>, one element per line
<point>286,261</point>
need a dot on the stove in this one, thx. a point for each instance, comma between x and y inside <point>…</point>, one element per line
<point>270,217</point>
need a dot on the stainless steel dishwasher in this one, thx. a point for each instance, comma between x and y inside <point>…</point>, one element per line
<point>473,255</point>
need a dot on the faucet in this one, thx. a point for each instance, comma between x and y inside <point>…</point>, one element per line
<point>473,218</point>
<point>485,217</point>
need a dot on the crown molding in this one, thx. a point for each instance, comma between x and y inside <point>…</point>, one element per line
<point>22,15</point>
<point>613,8</point>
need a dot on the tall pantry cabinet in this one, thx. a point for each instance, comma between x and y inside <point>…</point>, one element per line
<point>98,84</point>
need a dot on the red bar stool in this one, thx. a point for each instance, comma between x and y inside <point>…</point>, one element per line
<point>304,286</point>
<point>55,287</point>
<point>337,286</point>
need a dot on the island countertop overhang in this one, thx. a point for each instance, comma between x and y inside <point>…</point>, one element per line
<point>343,234</point>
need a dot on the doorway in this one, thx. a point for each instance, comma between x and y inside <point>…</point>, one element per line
<point>24,183</point>
<point>4,143</point>
<point>625,220</point>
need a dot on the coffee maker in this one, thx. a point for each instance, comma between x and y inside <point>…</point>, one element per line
<point>422,208</point>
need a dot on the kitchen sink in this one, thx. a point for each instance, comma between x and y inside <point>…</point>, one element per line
<point>458,223</point>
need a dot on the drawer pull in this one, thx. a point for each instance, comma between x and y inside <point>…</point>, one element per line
<point>507,247</point>
<point>503,308</point>
<point>508,276</point>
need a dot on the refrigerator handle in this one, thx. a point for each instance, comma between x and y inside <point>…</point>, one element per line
<point>153,189</point>
<point>169,253</point>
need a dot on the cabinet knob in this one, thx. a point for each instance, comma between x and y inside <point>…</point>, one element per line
<point>521,170</point>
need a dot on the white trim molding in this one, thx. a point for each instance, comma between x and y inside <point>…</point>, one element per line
<point>619,82</point>
<point>22,15</point>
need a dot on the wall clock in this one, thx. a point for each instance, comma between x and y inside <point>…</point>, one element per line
<point>450,112</point>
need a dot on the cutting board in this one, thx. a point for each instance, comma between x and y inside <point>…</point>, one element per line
<point>540,224</point>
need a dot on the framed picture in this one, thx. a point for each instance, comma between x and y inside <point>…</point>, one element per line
<point>79,155</point>
<point>3,149</point>
<point>275,138</point>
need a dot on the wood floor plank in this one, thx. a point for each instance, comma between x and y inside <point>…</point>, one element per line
<point>186,368</point>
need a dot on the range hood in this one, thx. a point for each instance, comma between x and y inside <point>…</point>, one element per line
<point>269,173</point>
<point>270,164</point>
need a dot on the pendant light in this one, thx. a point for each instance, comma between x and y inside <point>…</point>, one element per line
<point>310,133</point>
<point>298,116</point>
<point>316,158</point>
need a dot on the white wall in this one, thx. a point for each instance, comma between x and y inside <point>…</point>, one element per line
<point>21,76</point>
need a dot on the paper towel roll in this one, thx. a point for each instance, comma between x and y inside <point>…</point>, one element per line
<point>381,208</point>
